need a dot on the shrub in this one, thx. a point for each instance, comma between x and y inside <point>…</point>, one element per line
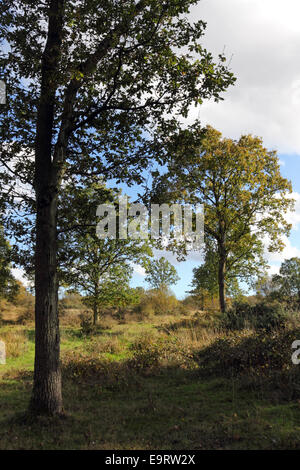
<point>86,323</point>
<point>260,316</point>
<point>26,316</point>
<point>144,309</point>
<point>147,351</point>
<point>151,351</point>
<point>108,374</point>
<point>105,344</point>
<point>71,300</point>
<point>245,352</point>
<point>157,302</point>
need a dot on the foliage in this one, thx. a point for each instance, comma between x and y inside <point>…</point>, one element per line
<point>121,68</point>
<point>264,286</point>
<point>157,302</point>
<point>244,196</point>
<point>25,300</point>
<point>98,268</point>
<point>113,290</point>
<point>160,273</point>
<point>286,284</point>
<point>8,285</point>
<point>90,85</point>
<point>205,279</point>
<point>71,300</point>
<point>249,353</point>
<point>150,351</point>
<point>86,323</point>
<point>260,316</point>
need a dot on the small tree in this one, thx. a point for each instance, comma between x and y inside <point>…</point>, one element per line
<point>287,282</point>
<point>205,279</point>
<point>112,290</point>
<point>161,274</point>
<point>98,268</point>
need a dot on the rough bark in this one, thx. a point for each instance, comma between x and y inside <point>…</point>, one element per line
<point>47,396</point>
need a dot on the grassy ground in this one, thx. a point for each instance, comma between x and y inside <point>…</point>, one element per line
<point>137,386</point>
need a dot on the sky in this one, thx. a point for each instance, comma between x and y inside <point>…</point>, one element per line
<point>261,39</point>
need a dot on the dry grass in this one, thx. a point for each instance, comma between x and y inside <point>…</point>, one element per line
<point>70,317</point>
<point>105,344</point>
<point>9,312</point>
<point>16,342</point>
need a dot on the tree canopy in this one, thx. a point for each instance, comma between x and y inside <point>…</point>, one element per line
<point>160,273</point>
<point>286,284</point>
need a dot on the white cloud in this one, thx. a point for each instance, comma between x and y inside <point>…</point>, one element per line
<point>137,269</point>
<point>289,251</point>
<point>263,38</point>
<point>19,274</point>
<point>274,269</point>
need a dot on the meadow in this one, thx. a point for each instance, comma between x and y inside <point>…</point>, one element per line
<point>170,381</point>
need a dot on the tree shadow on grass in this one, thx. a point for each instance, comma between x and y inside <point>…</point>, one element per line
<point>117,407</point>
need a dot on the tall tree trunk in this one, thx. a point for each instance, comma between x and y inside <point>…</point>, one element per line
<point>47,395</point>
<point>221,278</point>
<point>95,310</point>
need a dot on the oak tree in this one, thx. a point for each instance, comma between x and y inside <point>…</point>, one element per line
<point>244,196</point>
<point>89,85</point>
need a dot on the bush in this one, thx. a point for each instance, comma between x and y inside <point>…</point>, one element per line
<point>150,352</point>
<point>243,352</point>
<point>147,351</point>
<point>107,374</point>
<point>86,323</point>
<point>71,300</point>
<point>157,302</point>
<point>26,316</point>
<point>261,316</point>
<point>105,344</point>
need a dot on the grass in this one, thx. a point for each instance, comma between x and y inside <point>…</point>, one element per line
<point>164,403</point>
